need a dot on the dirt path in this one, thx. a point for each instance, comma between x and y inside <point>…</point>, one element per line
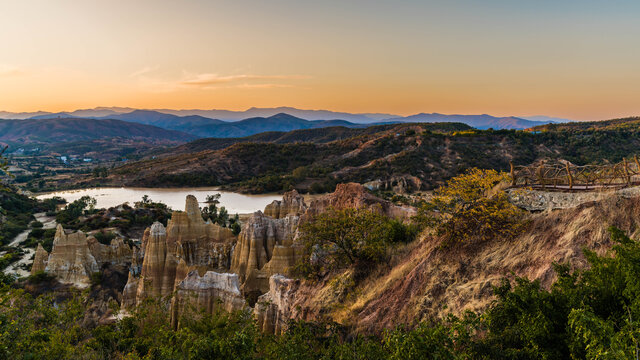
<point>48,222</point>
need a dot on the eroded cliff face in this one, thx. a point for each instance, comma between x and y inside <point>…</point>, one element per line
<point>265,247</point>
<point>353,195</point>
<point>292,204</point>
<point>194,263</point>
<point>275,308</point>
<point>169,254</point>
<point>208,292</point>
<point>74,257</point>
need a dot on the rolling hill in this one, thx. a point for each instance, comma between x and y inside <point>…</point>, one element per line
<point>405,156</point>
<point>48,131</point>
<point>315,135</point>
<point>482,122</point>
<point>205,127</point>
<point>189,124</point>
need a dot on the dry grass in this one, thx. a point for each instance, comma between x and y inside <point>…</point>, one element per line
<point>424,280</point>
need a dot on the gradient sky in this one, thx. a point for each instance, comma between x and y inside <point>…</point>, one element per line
<point>576,59</point>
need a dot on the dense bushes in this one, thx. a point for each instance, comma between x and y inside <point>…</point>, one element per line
<point>336,239</point>
<point>70,214</point>
<point>40,236</point>
<point>104,237</point>
<point>15,214</point>
<point>466,209</point>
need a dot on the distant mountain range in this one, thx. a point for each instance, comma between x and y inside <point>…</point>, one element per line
<point>224,115</point>
<point>48,131</point>
<point>482,122</point>
<point>202,127</point>
<point>185,120</point>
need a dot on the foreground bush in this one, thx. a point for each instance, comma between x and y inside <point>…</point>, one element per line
<point>467,209</point>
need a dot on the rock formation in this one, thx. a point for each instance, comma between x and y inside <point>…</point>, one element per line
<point>353,195</point>
<point>265,247</point>
<point>292,204</point>
<point>190,258</point>
<point>74,257</point>
<point>169,254</point>
<point>208,292</point>
<point>274,309</point>
<point>71,260</point>
<point>40,260</point>
<point>116,253</point>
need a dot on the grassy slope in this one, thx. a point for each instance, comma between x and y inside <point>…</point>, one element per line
<point>424,280</point>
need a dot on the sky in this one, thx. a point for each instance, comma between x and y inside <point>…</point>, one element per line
<point>573,59</point>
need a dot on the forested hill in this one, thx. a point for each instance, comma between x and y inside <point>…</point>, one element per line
<point>631,124</point>
<point>316,135</point>
<point>65,130</point>
<point>412,156</point>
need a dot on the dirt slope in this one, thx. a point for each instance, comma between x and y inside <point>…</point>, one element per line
<point>426,280</point>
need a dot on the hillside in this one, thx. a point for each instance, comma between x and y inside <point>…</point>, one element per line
<point>251,126</point>
<point>65,130</point>
<point>426,281</point>
<point>185,124</point>
<point>317,135</point>
<point>476,121</point>
<point>403,156</point>
<point>630,123</point>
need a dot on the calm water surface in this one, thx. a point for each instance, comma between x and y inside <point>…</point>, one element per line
<point>174,198</point>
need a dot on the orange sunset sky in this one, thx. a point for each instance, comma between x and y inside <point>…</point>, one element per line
<point>574,59</point>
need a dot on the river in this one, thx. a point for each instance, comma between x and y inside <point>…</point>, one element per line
<point>173,197</point>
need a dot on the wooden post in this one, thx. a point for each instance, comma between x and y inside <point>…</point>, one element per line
<point>569,177</point>
<point>540,174</point>
<point>626,172</point>
<point>513,174</point>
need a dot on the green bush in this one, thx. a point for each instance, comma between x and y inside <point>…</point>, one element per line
<point>104,237</point>
<point>336,239</point>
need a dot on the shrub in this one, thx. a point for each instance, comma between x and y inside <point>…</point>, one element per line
<point>340,238</point>
<point>96,278</point>
<point>104,237</point>
<point>466,210</point>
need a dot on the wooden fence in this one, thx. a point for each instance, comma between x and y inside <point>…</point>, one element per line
<point>564,176</point>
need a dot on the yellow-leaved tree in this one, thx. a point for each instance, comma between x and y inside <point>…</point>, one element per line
<point>469,209</point>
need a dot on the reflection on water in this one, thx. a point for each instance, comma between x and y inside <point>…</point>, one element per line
<point>174,198</point>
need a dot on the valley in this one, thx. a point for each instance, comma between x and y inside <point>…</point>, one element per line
<point>375,231</point>
<point>319,180</point>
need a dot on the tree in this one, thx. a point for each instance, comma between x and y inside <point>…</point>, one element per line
<point>74,210</point>
<point>339,238</point>
<point>210,212</point>
<point>469,208</point>
<point>223,217</point>
<point>234,224</point>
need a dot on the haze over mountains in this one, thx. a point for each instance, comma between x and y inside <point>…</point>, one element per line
<point>205,123</point>
<point>47,131</point>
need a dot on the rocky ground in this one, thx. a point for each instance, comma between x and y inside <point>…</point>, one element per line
<point>538,200</point>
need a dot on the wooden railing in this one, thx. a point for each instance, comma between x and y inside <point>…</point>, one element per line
<point>564,176</point>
